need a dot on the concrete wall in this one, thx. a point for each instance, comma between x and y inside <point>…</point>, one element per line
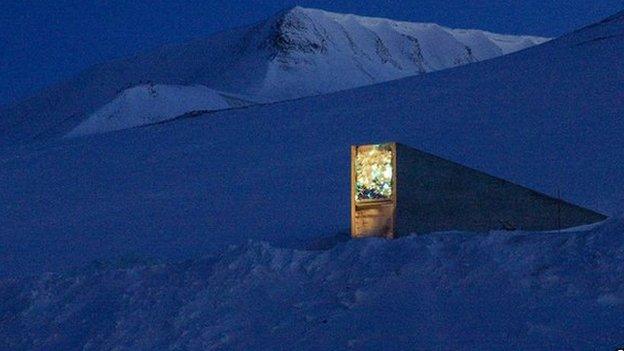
<point>434,194</point>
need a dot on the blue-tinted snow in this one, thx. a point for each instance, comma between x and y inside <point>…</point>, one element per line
<point>549,118</point>
<point>444,291</point>
<point>298,52</point>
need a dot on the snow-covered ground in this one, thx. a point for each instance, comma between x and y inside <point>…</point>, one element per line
<point>548,117</point>
<point>296,53</point>
<point>149,104</point>
<point>122,220</point>
<point>444,291</point>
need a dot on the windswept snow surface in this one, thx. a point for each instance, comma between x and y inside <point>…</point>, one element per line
<point>148,104</point>
<point>444,291</point>
<point>296,53</point>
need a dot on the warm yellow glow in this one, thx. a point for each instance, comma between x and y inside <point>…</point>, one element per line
<point>373,172</point>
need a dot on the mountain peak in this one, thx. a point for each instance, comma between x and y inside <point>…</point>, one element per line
<point>295,53</point>
<point>376,49</point>
<point>297,8</point>
<point>293,11</point>
<point>295,31</point>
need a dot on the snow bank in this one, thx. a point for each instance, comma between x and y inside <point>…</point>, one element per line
<point>503,290</point>
<point>147,104</point>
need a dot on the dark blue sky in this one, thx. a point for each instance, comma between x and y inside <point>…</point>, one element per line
<point>43,42</point>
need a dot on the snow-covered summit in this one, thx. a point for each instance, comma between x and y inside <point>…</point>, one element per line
<point>301,20</point>
<point>298,52</point>
<point>330,51</point>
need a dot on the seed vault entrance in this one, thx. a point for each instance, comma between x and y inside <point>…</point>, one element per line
<point>373,190</point>
<point>397,190</point>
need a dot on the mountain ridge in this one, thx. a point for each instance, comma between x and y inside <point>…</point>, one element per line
<point>548,118</point>
<point>298,52</point>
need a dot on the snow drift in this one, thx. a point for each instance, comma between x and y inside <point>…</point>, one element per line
<point>148,104</point>
<point>298,52</point>
<point>475,291</point>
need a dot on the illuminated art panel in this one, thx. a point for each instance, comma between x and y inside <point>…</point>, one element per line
<point>373,172</point>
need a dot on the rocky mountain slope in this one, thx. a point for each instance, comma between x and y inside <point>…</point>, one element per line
<point>298,52</point>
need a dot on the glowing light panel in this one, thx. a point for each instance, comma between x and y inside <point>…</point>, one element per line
<point>373,172</point>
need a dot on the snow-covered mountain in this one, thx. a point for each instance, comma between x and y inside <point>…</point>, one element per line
<point>224,230</point>
<point>316,52</point>
<point>298,52</point>
<point>548,118</point>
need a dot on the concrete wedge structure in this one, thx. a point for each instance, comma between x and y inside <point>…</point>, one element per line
<point>398,190</point>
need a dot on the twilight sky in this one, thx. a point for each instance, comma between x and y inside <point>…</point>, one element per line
<point>43,42</point>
